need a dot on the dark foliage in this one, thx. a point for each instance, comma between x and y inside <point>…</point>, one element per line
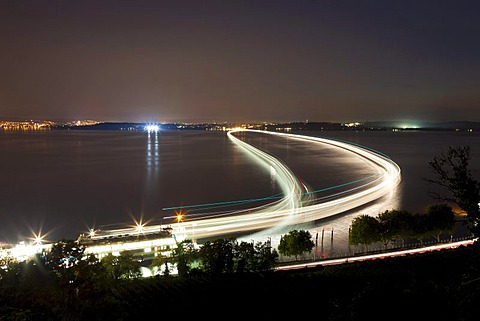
<point>442,285</point>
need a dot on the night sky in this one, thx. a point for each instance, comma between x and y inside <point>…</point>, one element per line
<point>206,61</point>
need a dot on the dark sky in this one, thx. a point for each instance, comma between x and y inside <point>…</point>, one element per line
<point>201,60</point>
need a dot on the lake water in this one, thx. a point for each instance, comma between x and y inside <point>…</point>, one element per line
<point>61,183</point>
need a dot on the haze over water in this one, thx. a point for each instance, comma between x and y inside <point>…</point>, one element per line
<point>63,182</point>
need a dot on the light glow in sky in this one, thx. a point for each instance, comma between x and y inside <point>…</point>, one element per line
<point>240,61</point>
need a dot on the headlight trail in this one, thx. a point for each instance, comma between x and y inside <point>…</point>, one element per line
<point>366,257</point>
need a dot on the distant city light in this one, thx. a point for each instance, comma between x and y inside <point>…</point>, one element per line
<point>407,126</point>
<point>352,124</point>
<point>152,128</point>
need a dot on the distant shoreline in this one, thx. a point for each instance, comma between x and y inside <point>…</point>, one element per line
<point>460,126</point>
<point>466,126</point>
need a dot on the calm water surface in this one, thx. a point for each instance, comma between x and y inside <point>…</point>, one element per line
<point>63,182</point>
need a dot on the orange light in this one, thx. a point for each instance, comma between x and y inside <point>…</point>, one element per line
<point>179,216</point>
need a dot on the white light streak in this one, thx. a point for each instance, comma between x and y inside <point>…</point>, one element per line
<point>378,256</point>
<point>288,210</point>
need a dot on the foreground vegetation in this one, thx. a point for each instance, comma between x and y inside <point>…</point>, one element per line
<point>433,286</point>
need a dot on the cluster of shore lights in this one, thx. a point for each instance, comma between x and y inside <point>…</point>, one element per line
<point>152,128</point>
<point>24,251</point>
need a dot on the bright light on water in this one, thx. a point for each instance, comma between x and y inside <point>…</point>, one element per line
<point>152,128</point>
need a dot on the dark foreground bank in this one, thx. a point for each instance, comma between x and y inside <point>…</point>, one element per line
<point>430,286</point>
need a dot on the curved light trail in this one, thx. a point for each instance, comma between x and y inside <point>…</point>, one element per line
<point>291,209</point>
<point>297,204</point>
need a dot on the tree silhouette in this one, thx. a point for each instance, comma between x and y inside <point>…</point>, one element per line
<point>365,230</point>
<point>452,173</point>
<point>296,243</point>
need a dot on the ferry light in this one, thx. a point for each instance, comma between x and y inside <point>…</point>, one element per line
<point>38,240</point>
<point>179,217</point>
<point>139,228</point>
